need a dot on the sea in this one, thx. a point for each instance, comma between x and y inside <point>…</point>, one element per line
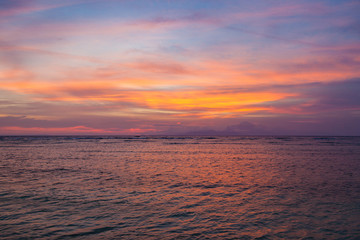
<point>179,187</point>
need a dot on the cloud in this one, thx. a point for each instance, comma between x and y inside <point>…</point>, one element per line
<point>73,125</point>
<point>18,7</point>
<point>160,67</point>
<point>336,95</point>
<point>76,130</point>
<point>317,97</point>
<point>26,122</point>
<point>336,64</point>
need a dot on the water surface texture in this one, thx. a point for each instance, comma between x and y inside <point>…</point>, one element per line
<point>179,187</point>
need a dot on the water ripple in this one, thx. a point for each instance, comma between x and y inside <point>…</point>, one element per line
<point>179,187</point>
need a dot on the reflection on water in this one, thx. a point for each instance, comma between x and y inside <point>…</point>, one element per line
<point>179,187</point>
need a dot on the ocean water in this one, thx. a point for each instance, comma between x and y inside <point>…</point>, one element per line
<point>179,187</point>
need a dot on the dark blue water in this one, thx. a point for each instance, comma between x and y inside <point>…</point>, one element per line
<point>179,187</point>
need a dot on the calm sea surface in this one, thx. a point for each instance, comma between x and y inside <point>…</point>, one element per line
<point>179,187</point>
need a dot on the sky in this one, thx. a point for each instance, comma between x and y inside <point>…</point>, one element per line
<point>179,67</point>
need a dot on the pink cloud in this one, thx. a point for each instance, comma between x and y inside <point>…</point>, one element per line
<point>81,130</point>
<point>18,7</point>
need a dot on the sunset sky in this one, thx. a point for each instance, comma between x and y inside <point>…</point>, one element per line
<point>205,67</point>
